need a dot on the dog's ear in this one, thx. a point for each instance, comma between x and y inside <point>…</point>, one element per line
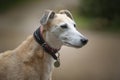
<point>48,15</point>
<point>67,12</point>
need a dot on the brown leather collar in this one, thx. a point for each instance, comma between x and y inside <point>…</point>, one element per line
<point>39,38</point>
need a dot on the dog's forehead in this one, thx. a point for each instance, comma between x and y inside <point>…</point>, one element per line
<point>61,19</point>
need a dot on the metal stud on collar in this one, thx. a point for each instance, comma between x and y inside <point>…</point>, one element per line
<point>43,45</point>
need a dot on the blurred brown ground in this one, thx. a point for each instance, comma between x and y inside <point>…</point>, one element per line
<point>98,60</point>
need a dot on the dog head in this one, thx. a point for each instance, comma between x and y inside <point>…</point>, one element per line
<point>61,29</point>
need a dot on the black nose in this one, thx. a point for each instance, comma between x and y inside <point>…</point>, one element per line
<point>84,41</point>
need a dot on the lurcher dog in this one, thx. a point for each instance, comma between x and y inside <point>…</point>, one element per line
<point>34,58</point>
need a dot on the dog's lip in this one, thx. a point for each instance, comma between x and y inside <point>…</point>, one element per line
<point>71,45</point>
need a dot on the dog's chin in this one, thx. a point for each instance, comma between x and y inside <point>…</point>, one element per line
<point>72,45</point>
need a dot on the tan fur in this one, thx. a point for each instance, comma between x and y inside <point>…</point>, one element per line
<point>26,62</point>
<point>29,61</point>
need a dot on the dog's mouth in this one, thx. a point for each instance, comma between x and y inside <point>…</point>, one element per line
<point>72,45</point>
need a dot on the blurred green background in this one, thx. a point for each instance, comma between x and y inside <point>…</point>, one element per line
<point>99,20</point>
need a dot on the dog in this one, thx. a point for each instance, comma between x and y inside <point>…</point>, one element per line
<point>34,58</point>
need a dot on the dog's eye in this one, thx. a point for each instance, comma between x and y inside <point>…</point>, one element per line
<point>64,26</point>
<point>74,25</point>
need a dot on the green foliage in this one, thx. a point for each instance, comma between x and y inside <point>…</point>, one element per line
<point>106,13</point>
<point>7,4</point>
<point>100,8</point>
<point>82,21</point>
<point>97,23</point>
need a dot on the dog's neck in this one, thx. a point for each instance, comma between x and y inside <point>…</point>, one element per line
<point>32,54</point>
